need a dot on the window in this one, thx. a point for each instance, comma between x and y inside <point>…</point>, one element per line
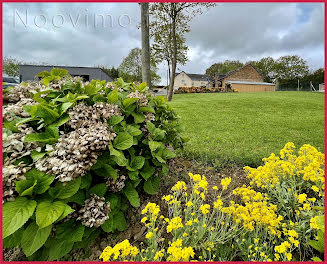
<point>183,81</point>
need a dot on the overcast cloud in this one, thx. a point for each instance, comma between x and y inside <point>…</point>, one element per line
<point>243,31</point>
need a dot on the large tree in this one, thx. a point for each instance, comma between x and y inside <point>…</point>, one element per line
<point>291,67</point>
<point>223,67</point>
<point>173,19</point>
<point>131,67</point>
<point>161,32</point>
<point>146,74</point>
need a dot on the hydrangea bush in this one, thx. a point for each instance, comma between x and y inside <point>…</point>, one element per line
<point>76,154</point>
<point>278,217</point>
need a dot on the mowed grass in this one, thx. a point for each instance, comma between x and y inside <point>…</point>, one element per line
<point>242,128</point>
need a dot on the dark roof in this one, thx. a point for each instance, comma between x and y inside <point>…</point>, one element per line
<point>62,66</point>
<point>197,77</point>
<point>231,72</point>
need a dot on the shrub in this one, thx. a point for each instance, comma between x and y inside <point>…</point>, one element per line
<point>75,154</point>
<point>275,218</point>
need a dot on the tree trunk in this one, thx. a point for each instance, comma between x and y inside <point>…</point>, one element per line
<point>174,61</point>
<point>146,75</point>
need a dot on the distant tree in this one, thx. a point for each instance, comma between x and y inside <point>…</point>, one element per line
<point>131,67</point>
<point>175,15</point>
<point>318,76</point>
<point>112,72</point>
<point>266,66</point>
<point>223,67</point>
<point>11,66</point>
<point>290,68</point>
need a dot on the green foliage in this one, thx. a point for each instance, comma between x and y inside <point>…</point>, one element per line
<point>223,67</point>
<point>131,68</point>
<point>139,151</point>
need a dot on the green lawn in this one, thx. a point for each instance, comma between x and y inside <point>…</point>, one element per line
<point>242,128</point>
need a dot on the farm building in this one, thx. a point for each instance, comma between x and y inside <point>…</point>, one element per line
<point>184,79</point>
<point>29,72</point>
<point>244,79</point>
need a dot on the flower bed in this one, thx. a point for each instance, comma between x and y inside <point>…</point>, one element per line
<point>182,90</point>
<point>277,217</point>
<point>76,156</point>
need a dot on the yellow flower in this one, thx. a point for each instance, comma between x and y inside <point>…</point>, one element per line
<point>204,226</point>
<point>149,235</point>
<point>215,188</point>
<point>189,204</point>
<point>143,220</point>
<point>184,234</point>
<point>313,223</point>
<point>289,256</point>
<point>256,240</point>
<point>202,196</point>
<point>180,185</point>
<point>225,182</point>
<point>218,204</point>
<point>205,208</point>
<point>174,224</point>
<point>302,197</point>
<point>315,188</point>
<point>293,233</point>
<point>167,198</point>
<point>189,223</point>
<point>196,220</point>
<point>159,254</point>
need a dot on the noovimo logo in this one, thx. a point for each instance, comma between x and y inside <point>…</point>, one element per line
<point>79,19</point>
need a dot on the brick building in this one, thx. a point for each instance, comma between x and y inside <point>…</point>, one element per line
<point>244,79</point>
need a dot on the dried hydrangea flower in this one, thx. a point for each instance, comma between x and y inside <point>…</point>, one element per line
<point>94,212</point>
<point>10,174</point>
<point>116,185</point>
<point>142,98</point>
<point>15,147</point>
<point>84,116</point>
<point>149,117</point>
<point>17,108</point>
<point>76,152</point>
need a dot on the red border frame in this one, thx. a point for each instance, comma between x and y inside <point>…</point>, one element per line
<point>130,1</point>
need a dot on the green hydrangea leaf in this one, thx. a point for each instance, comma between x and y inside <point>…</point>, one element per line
<point>131,194</point>
<point>16,214</point>
<point>34,237</point>
<point>151,186</point>
<point>123,141</point>
<point>48,212</point>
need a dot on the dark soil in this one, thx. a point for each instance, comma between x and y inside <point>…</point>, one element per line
<point>178,171</point>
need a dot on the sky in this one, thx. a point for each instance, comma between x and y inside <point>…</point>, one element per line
<point>92,34</point>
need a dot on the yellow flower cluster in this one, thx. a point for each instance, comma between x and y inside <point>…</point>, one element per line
<point>152,210</point>
<point>179,186</point>
<point>283,249</point>
<point>205,208</point>
<point>174,224</point>
<point>309,164</point>
<point>122,250</point>
<point>225,182</point>
<point>247,194</point>
<point>252,213</point>
<point>178,253</point>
